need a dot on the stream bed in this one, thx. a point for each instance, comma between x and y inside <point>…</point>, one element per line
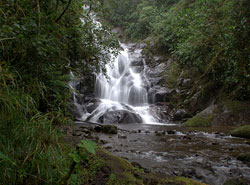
<point>208,155</point>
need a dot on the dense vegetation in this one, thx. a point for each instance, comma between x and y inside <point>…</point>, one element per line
<point>210,36</point>
<point>40,43</point>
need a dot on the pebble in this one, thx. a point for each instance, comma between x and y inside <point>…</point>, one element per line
<point>122,136</point>
<point>77,133</point>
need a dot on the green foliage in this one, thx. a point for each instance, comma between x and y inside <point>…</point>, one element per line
<point>209,36</point>
<point>198,121</point>
<point>40,42</point>
<point>89,146</point>
<point>173,75</point>
<point>243,132</point>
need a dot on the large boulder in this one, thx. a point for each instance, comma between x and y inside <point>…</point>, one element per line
<point>181,114</point>
<point>120,116</point>
<point>156,75</point>
<point>160,94</point>
<point>137,62</point>
<point>160,111</point>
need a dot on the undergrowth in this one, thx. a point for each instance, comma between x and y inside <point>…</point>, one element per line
<point>40,43</point>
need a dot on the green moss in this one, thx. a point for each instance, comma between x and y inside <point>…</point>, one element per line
<point>199,121</point>
<point>122,170</point>
<point>109,129</point>
<point>239,181</point>
<point>244,158</point>
<point>187,181</point>
<point>236,107</point>
<point>173,74</point>
<point>243,131</point>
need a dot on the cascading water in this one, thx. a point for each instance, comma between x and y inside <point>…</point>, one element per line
<point>123,88</point>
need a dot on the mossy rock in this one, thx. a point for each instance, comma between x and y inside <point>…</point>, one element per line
<point>245,158</point>
<point>199,121</point>
<point>236,107</point>
<point>239,181</point>
<point>243,132</point>
<point>123,173</point>
<point>107,129</point>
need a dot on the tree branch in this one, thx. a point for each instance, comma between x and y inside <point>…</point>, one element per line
<point>63,11</point>
<point>38,16</point>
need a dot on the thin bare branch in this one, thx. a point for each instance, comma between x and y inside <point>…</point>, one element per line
<point>63,11</point>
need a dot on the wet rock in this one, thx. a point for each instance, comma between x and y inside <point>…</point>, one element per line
<point>78,133</point>
<point>171,132</point>
<point>138,69</point>
<point>160,133</point>
<point>92,105</point>
<point>181,114</point>
<point>120,116</point>
<point>85,85</point>
<point>108,147</point>
<point>85,130</point>
<point>215,143</point>
<point>187,137</point>
<point>189,172</point>
<point>107,129</point>
<point>138,62</point>
<point>160,111</point>
<point>75,111</point>
<point>136,164</point>
<point>177,173</point>
<point>122,136</point>
<point>142,45</point>
<point>160,94</point>
<point>245,158</point>
<point>103,141</point>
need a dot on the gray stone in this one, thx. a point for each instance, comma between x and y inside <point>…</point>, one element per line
<point>120,116</point>
<point>107,129</point>
<point>122,136</point>
<point>181,114</point>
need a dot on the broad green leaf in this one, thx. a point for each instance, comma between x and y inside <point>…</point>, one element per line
<point>75,157</point>
<point>88,145</point>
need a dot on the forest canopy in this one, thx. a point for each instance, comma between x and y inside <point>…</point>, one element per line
<point>210,36</point>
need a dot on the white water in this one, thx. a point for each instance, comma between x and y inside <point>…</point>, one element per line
<point>122,88</point>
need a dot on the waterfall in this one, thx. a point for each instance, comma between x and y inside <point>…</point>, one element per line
<point>123,84</point>
<point>122,90</point>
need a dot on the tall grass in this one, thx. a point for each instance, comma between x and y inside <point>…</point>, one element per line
<point>31,149</point>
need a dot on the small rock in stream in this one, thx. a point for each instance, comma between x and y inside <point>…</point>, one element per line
<point>78,133</point>
<point>122,136</point>
<point>103,142</point>
<point>160,133</point>
<point>187,138</point>
<point>107,129</point>
<point>171,132</point>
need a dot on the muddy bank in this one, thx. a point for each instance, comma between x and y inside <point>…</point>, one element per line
<point>208,156</point>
